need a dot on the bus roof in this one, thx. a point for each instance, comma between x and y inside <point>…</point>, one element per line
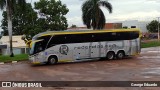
<point>82,31</point>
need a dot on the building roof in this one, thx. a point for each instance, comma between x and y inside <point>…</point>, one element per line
<point>16,41</point>
<point>77,28</point>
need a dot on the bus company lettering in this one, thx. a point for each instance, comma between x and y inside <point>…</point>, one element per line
<point>97,46</point>
<point>64,49</point>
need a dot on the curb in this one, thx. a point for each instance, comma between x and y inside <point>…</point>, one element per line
<point>1,63</point>
<point>14,61</point>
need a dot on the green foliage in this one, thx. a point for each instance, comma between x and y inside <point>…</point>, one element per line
<point>73,26</point>
<point>92,14</point>
<point>20,57</point>
<point>9,6</point>
<point>12,4</point>
<point>21,20</point>
<point>125,27</point>
<point>0,36</point>
<point>52,13</point>
<point>150,44</point>
<point>50,16</point>
<point>153,26</point>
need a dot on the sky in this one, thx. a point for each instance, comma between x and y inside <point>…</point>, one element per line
<point>142,10</point>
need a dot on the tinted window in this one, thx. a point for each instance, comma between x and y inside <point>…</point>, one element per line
<point>115,36</point>
<point>59,39</point>
<point>92,37</point>
<point>45,40</point>
<point>37,47</point>
<point>70,38</point>
<point>79,38</point>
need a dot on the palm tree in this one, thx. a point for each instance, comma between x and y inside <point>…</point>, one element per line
<point>92,15</point>
<point>9,5</point>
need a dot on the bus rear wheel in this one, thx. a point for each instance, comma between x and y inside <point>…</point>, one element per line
<point>120,55</point>
<point>110,55</point>
<point>52,60</point>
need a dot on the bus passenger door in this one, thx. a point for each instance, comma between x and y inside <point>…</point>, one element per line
<point>95,49</point>
<point>79,51</point>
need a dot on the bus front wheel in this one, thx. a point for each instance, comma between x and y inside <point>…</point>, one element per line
<point>110,55</point>
<point>52,60</point>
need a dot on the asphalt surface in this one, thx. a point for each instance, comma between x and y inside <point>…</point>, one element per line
<point>145,67</point>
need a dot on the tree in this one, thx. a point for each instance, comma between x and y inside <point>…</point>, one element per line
<point>9,6</point>
<point>1,34</point>
<point>153,26</point>
<point>28,22</point>
<point>125,27</point>
<point>92,15</point>
<point>21,20</point>
<point>73,26</point>
<point>52,13</point>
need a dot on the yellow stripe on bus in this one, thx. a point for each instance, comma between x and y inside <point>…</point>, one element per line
<point>35,63</point>
<point>89,31</point>
<point>64,60</point>
<point>135,54</point>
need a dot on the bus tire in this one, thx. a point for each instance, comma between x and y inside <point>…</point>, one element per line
<point>110,55</point>
<point>52,60</point>
<point>120,55</point>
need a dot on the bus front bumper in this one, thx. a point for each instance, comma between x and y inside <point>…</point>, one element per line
<point>33,60</point>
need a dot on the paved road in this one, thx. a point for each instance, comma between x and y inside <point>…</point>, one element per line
<point>145,67</point>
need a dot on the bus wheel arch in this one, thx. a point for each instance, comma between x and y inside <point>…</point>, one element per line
<point>120,54</point>
<point>110,55</point>
<point>53,59</point>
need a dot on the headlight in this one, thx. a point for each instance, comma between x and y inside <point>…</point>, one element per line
<point>31,58</point>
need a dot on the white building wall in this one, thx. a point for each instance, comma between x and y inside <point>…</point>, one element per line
<point>18,44</point>
<point>142,26</point>
<point>4,52</point>
<point>139,24</point>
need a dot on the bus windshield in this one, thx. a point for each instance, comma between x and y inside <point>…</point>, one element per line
<point>36,47</point>
<point>39,44</point>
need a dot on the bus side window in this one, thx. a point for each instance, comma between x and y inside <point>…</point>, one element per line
<point>79,38</point>
<point>59,39</point>
<point>51,42</point>
<point>45,41</point>
<point>65,37</point>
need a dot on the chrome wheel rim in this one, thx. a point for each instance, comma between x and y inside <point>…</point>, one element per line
<point>110,56</point>
<point>52,60</point>
<point>120,55</point>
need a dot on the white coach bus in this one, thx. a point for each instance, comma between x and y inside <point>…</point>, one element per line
<point>72,46</point>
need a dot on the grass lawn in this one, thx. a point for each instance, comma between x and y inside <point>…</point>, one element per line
<point>20,57</point>
<point>150,44</point>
